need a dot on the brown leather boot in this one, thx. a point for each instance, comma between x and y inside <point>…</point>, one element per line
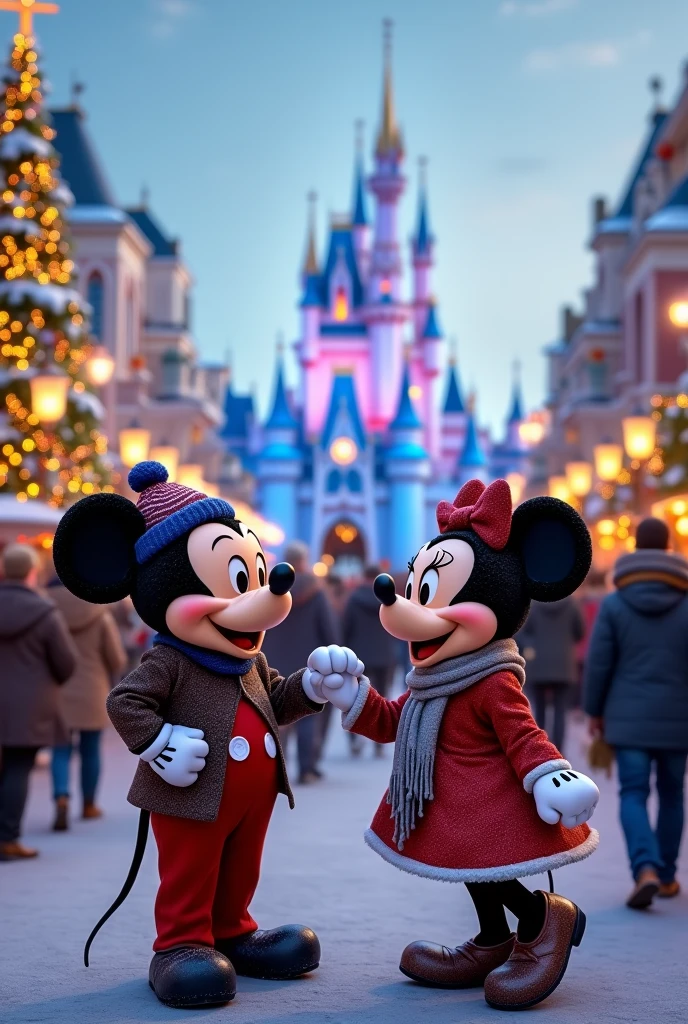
<point>91,811</point>
<point>667,890</point>
<point>16,851</point>
<point>535,968</point>
<point>465,966</point>
<point>645,889</point>
<point>61,822</point>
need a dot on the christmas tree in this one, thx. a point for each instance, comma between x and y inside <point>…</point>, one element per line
<point>51,446</point>
<point>671,413</point>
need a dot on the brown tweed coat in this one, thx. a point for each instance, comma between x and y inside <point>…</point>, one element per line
<point>169,687</point>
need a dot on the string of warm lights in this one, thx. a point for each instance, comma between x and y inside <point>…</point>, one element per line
<point>50,443</point>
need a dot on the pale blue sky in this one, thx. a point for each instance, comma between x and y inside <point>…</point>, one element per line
<point>231,112</point>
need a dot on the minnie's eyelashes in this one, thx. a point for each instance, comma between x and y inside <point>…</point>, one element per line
<point>442,557</point>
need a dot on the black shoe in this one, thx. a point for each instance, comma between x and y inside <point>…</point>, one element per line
<point>190,976</point>
<point>277,954</point>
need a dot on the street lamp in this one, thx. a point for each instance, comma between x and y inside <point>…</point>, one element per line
<point>49,396</point>
<point>579,478</point>
<point>134,442</point>
<point>640,434</point>
<point>190,474</point>
<point>678,313</point>
<point>167,456</point>
<point>608,461</point>
<point>517,483</point>
<point>100,366</point>
<point>559,488</point>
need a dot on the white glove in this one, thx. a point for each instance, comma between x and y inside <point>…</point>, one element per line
<point>566,796</point>
<point>177,754</point>
<point>333,674</point>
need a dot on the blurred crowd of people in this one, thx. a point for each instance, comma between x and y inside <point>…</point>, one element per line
<point>617,651</point>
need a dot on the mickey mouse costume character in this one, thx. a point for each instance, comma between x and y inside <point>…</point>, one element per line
<point>478,794</point>
<point>201,712</point>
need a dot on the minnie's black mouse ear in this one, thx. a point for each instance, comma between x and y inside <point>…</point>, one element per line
<point>554,545</point>
<point>93,549</point>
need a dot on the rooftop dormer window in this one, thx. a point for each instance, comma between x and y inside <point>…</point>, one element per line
<point>341,304</point>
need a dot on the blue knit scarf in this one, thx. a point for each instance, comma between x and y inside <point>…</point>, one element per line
<point>214,661</point>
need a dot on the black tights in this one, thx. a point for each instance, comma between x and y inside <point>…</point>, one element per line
<point>490,898</point>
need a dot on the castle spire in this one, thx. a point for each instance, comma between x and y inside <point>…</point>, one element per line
<point>281,416</point>
<point>310,265</point>
<point>389,140</point>
<point>423,238</point>
<point>516,410</point>
<point>359,218</point>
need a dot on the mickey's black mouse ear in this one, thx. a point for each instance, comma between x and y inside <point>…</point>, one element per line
<point>554,545</point>
<point>93,549</point>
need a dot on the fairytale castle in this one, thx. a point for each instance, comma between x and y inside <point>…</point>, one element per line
<point>355,460</point>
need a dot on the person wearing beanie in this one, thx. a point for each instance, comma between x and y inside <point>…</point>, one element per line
<point>636,694</point>
<point>37,656</point>
<point>202,714</point>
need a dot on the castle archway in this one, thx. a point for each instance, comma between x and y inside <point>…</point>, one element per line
<point>345,546</point>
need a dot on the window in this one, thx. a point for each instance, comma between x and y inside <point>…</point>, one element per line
<point>341,304</point>
<point>639,336</point>
<point>354,482</point>
<point>130,324</point>
<point>94,296</point>
<point>334,480</point>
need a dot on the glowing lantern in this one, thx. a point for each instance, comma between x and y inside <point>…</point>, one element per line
<point>678,313</point>
<point>49,396</point>
<point>190,474</point>
<point>320,569</point>
<point>608,461</point>
<point>532,430</point>
<point>559,488</point>
<point>341,304</point>
<point>100,366</point>
<point>343,451</point>
<point>134,443</point>
<point>640,434</point>
<point>168,456</point>
<point>682,526</point>
<point>606,527</point>
<point>579,478</point>
<point>517,483</point>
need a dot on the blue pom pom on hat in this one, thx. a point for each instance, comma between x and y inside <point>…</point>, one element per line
<point>169,510</point>
<point>145,474</point>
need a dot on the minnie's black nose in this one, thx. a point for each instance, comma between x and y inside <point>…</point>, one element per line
<point>281,578</point>
<point>384,589</point>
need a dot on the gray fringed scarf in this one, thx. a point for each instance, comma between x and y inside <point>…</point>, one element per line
<point>414,751</point>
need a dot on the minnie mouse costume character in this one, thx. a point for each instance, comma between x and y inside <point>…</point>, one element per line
<point>478,794</point>
<point>201,713</point>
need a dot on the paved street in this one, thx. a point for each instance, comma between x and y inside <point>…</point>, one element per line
<point>630,967</point>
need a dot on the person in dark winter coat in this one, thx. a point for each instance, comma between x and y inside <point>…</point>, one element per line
<point>36,657</point>
<point>548,643</point>
<point>363,632</point>
<point>636,693</point>
<point>288,645</point>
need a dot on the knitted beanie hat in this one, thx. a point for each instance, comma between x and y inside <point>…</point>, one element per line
<point>169,510</point>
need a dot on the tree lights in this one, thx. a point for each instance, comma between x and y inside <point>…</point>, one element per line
<point>50,442</point>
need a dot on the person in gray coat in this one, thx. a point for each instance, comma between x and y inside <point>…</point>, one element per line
<point>310,624</point>
<point>548,643</point>
<point>636,694</point>
<point>36,657</point>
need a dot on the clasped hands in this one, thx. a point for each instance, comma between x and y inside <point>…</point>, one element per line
<point>333,674</point>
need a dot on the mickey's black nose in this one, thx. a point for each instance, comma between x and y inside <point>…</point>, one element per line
<point>384,589</point>
<point>281,578</point>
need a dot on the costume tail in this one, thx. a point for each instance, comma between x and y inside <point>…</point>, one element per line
<point>139,850</point>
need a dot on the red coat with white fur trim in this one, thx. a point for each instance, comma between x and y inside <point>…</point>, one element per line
<point>482,824</point>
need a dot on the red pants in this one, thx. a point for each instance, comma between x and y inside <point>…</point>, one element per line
<point>209,870</point>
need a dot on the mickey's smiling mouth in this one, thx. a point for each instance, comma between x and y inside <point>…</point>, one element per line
<point>422,649</point>
<point>244,641</point>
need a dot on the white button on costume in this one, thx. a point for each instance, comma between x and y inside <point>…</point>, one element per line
<point>270,745</point>
<point>239,748</point>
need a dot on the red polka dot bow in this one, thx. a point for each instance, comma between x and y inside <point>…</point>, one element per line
<point>485,510</point>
